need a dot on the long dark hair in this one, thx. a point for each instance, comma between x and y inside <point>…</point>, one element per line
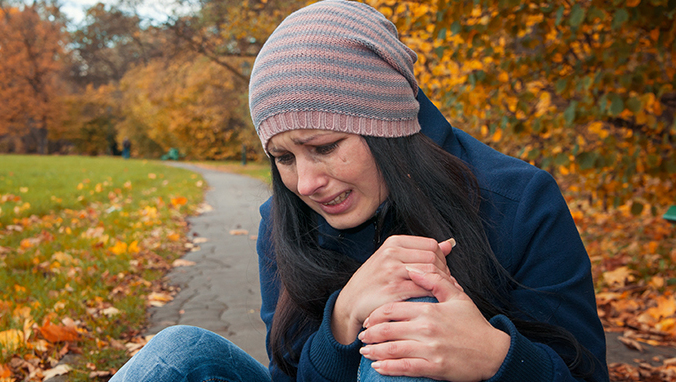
<point>432,194</point>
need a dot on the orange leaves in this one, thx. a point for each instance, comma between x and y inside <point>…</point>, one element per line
<point>666,307</point>
<point>29,66</point>
<point>58,333</point>
<point>619,276</point>
<point>5,373</point>
<point>179,201</point>
<point>497,136</point>
<point>121,248</point>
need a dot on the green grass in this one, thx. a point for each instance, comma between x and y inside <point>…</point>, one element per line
<point>85,240</point>
<point>53,183</point>
<point>260,171</point>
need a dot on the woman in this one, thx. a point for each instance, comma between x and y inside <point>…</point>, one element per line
<point>395,247</point>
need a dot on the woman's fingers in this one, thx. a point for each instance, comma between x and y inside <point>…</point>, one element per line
<point>408,367</point>
<point>390,350</point>
<point>416,249</point>
<point>439,285</point>
<point>443,287</point>
<point>380,332</point>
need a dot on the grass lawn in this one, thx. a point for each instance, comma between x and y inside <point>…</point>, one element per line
<point>84,242</point>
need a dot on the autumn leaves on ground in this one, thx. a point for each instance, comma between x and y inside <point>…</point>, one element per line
<point>84,243</point>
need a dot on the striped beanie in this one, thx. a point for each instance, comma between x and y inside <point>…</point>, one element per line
<point>334,65</point>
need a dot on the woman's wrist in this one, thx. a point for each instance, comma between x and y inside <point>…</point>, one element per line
<point>500,343</point>
<point>344,328</point>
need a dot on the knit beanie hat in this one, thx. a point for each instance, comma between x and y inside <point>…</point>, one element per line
<point>334,65</point>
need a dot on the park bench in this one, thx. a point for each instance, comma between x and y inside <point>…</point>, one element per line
<point>670,214</point>
<point>173,154</point>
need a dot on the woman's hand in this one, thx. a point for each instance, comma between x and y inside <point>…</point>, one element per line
<point>383,278</point>
<point>449,340</point>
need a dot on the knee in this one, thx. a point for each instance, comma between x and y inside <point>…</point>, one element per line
<point>183,338</point>
<point>178,332</point>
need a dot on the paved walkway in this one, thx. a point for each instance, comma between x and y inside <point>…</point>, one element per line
<point>221,291</point>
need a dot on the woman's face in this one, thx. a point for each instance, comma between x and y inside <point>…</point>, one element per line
<point>334,173</point>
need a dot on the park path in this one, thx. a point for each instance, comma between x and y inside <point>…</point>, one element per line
<point>220,292</point>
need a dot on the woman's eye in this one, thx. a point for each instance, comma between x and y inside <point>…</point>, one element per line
<point>326,149</point>
<point>284,159</point>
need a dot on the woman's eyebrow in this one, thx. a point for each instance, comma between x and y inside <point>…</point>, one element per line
<point>303,141</point>
<point>275,150</point>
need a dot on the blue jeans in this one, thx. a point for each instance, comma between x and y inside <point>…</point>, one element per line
<point>190,354</point>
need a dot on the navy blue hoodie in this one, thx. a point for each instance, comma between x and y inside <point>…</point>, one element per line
<point>533,236</point>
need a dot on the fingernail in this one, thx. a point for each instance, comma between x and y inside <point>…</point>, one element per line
<point>366,322</point>
<point>452,241</point>
<point>375,365</point>
<point>364,350</point>
<point>361,336</point>
<point>414,270</point>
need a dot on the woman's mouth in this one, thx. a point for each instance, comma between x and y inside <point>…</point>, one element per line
<point>339,199</point>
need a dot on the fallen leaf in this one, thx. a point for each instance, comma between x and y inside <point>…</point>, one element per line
<point>618,276</point>
<point>159,299</point>
<point>111,311</point>
<point>58,370</point>
<point>202,208</point>
<point>666,306</point>
<point>631,344</point>
<point>199,240</point>
<point>11,339</point>
<point>237,232</point>
<point>119,248</point>
<point>58,333</point>
<point>5,372</point>
<point>179,201</point>
<point>133,247</point>
<point>97,374</point>
<point>182,263</point>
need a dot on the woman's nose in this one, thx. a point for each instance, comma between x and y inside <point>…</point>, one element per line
<point>311,176</point>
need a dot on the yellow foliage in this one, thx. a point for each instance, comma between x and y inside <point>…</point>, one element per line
<point>577,94</point>
<point>11,340</point>
<point>133,247</point>
<point>119,248</point>
<point>497,136</point>
<point>503,77</point>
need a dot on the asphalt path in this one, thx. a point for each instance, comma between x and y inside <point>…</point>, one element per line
<point>220,292</point>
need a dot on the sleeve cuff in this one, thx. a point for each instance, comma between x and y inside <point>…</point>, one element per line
<point>329,357</point>
<point>525,360</point>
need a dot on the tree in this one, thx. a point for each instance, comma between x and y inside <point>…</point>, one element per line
<point>32,49</point>
<point>109,43</point>
<point>227,30</point>
<point>584,89</point>
<point>192,104</point>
